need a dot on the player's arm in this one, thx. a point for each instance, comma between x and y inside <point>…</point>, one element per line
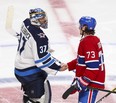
<point>72,64</point>
<point>47,63</point>
<point>43,58</point>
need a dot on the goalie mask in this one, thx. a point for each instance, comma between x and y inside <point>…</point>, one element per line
<point>38,18</point>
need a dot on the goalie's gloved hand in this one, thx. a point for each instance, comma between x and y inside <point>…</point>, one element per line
<point>81,83</point>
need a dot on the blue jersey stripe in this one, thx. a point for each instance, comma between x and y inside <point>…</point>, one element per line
<point>81,60</point>
<point>28,72</point>
<point>92,65</point>
<point>48,64</point>
<point>43,59</point>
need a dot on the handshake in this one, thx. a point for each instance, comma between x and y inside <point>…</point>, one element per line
<point>63,67</point>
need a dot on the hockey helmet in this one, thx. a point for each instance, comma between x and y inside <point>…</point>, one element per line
<point>38,17</point>
<point>88,21</point>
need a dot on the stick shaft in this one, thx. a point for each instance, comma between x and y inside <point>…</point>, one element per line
<point>104,90</point>
<point>69,90</point>
<point>9,20</point>
<point>106,95</point>
<point>9,17</point>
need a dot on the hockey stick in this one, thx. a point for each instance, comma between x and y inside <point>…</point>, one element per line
<point>104,90</point>
<point>69,90</point>
<point>9,20</point>
<point>105,95</point>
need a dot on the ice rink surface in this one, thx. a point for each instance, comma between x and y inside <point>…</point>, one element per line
<point>63,16</point>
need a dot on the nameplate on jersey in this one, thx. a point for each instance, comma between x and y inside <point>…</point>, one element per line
<point>25,31</point>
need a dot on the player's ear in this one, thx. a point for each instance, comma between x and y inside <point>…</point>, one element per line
<point>84,28</point>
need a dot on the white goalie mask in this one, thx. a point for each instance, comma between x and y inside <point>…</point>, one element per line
<point>38,18</point>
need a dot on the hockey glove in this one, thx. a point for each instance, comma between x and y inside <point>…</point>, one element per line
<point>81,83</point>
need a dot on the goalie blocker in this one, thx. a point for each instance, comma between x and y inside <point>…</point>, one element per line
<point>45,98</point>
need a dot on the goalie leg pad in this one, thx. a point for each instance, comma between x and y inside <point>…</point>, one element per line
<point>46,98</point>
<point>48,93</point>
<point>33,96</point>
<point>35,89</point>
<point>26,99</point>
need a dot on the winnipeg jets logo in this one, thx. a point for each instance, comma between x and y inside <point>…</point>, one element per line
<point>42,35</point>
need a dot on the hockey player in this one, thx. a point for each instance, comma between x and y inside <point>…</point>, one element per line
<point>89,64</point>
<point>33,60</point>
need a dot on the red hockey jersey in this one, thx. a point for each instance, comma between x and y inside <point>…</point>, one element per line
<point>90,62</point>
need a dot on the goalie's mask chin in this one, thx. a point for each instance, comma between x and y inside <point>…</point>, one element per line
<point>42,22</point>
